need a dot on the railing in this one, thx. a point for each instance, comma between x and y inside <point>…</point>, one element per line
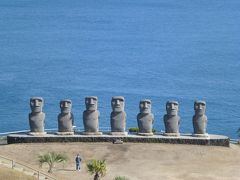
<point>13,132</point>
<point>235,141</point>
<point>101,129</point>
<point>53,130</point>
<point>25,169</point>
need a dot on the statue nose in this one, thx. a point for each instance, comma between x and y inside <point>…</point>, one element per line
<point>36,103</point>
<point>91,102</point>
<point>117,102</point>
<point>145,105</point>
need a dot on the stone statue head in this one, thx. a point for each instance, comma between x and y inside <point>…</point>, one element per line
<point>200,107</point>
<point>66,105</point>
<point>172,107</point>
<point>145,106</point>
<point>91,103</point>
<point>36,104</point>
<point>117,103</point>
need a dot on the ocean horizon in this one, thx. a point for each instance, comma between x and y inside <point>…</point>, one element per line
<point>139,49</point>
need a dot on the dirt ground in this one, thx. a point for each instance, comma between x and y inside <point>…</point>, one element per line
<point>137,161</point>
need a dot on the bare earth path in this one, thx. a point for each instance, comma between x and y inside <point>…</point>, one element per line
<point>138,161</point>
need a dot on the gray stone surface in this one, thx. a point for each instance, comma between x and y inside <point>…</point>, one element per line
<point>212,140</point>
<point>65,118</point>
<point>171,119</point>
<point>36,117</point>
<point>145,118</point>
<point>199,119</point>
<point>118,115</point>
<point>91,115</point>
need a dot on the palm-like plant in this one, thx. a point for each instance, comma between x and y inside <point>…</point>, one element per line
<point>98,168</point>
<point>51,158</point>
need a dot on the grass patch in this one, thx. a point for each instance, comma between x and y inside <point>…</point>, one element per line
<point>120,178</point>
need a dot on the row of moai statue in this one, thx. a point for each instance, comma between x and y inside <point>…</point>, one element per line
<point>91,115</point>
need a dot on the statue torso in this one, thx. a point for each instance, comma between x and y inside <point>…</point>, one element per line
<point>90,120</point>
<point>118,121</point>
<point>171,123</point>
<point>145,122</point>
<point>199,124</point>
<point>65,122</point>
<point>36,121</point>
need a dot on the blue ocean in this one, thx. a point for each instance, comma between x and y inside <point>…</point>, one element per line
<point>162,50</point>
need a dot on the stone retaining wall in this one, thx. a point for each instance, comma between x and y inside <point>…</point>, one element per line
<point>212,140</point>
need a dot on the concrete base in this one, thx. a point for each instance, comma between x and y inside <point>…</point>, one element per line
<point>37,133</point>
<point>172,134</point>
<point>91,133</point>
<point>201,135</point>
<point>145,134</point>
<point>65,133</point>
<point>212,140</point>
<point>119,133</point>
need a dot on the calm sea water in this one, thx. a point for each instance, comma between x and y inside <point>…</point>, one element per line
<point>157,49</point>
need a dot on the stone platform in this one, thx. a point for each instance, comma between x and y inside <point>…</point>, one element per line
<point>211,140</point>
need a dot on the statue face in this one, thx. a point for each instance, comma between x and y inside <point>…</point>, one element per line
<point>145,106</point>
<point>66,106</point>
<point>200,107</point>
<point>91,103</point>
<point>117,103</point>
<point>172,107</point>
<point>36,104</point>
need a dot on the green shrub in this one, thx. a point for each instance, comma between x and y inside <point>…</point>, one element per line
<point>136,129</point>
<point>120,178</point>
<point>133,129</point>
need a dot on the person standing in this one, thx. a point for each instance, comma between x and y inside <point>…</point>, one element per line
<point>78,161</point>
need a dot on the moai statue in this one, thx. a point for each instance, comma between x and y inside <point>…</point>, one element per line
<point>91,116</point>
<point>65,118</point>
<point>118,116</point>
<point>171,119</point>
<point>36,117</point>
<point>200,119</point>
<point>145,118</point>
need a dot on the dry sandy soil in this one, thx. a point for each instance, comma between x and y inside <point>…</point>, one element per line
<point>137,161</point>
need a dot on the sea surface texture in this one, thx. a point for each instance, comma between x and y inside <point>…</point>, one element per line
<point>162,50</point>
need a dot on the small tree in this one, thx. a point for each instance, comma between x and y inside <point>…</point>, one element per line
<point>98,168</point>
<point>51,158</point>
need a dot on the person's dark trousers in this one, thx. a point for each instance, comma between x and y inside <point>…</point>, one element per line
<point>78,166</point>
